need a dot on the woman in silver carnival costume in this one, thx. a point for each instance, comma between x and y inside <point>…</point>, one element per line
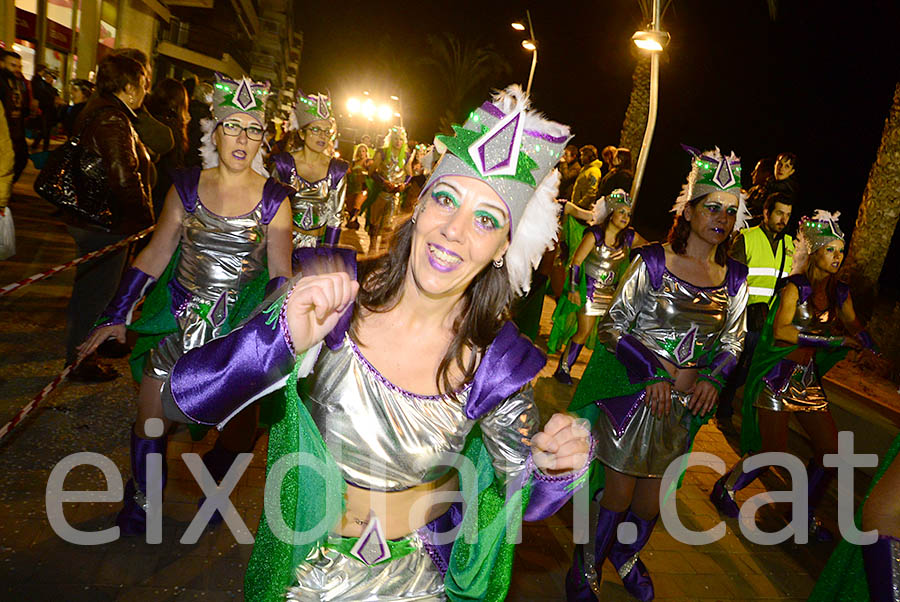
<point>317,177</point>
<point>597,265</point>
<point>390,179</point>
<point>422,366</point>
<point>669,341</point>
<point>802,340</point>
<point>223,232</point>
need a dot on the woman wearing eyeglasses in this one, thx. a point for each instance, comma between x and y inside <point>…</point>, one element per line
<point>317,178</point>
<point>223,233</point>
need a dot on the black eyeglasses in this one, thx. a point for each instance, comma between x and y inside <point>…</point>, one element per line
<point>232,128</point>
<point>320,131</point>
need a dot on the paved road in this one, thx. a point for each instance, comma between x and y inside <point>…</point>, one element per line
<point>36,564</point>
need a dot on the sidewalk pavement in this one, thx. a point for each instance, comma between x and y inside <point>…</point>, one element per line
<point>36,564</point>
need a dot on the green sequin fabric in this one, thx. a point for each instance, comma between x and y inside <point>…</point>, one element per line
<point>844,577</point>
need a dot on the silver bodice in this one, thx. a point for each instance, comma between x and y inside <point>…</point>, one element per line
<point>678,322</point>
<point>316,205</point>
<point>602,266</point>
<point>808,320</point>
<point>392,170</point>
<point>388,439</point>
<point>219,254</point>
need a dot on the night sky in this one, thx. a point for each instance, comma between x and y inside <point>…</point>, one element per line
<point>816,82</point>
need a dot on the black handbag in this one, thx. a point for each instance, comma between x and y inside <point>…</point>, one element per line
<point>74,180</point>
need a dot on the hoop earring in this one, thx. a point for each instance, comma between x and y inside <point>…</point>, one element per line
<point>498,263</point>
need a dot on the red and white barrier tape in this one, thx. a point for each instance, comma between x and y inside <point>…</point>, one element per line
<point>51,386</point>
<point>59,268</point>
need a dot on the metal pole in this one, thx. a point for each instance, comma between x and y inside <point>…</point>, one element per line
<point>531,74</point>
<point>651,114</point>
<point>533,52</point>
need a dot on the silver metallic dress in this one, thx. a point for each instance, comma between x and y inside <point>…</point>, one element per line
<point>388,439</point>
<point>317,205</point>
<point>680,323</point>
<point>392,171</point>
<point>601,268</point>
<point>795,387</point>
<point>219,255</point>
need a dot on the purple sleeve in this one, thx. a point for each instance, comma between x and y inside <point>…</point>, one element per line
<point>284,167</point>
<point>211,383</point>
<point>187,182</point>
<point>550,493</point>
<point>640,363</point>
<point>132,286</point>
<point>274,193</point>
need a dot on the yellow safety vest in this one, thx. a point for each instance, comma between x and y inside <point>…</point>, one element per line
<point>763,263</point>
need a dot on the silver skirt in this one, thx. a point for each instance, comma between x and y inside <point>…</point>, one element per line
<point>193,331</point>
<point>598,305</point>
<point>802,392</point>
<point>649,444</point>
<point>328,575</point>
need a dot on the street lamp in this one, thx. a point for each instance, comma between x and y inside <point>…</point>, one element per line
<point>530,44</point>
<point>652,40</point>
<point>399,112</point>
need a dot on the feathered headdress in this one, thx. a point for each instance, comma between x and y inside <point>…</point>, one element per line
<point>309,108</point>
<point>513,150</point>
<point>814,233</point>
<point>605,205</point>
<point>713,172</point>
<point>230,97</point>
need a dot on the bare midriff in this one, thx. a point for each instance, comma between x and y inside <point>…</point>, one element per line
<point>684,377</point>
<point>399,512</point>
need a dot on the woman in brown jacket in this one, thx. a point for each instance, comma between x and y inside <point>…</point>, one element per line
<point>105,127</point>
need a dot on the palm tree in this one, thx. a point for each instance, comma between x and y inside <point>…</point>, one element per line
<point>878,212</point>
<point>461,67</point>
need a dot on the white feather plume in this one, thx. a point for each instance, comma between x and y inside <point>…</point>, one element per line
<point>536,232</point>
<point>210,155</point>
<point>513,98</point>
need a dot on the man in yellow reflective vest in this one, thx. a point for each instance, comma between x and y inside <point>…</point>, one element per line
<point>768,253</point>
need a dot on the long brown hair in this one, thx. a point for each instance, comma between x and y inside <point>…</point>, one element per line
<point>620,237</point>
<point>681,230</point>
<point>168,102</point>
<point>485,305</point>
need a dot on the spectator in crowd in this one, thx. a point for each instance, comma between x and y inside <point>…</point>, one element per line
<point>16,99</point>
<point>619,176</point>
<point>768,251</point>
<point>81,92</point>
<point>156,137</point>
<point>199,93</point>
<point>569,168</point>
<point>759,178</point>
<point>785,180</point>
<point>7,160</point>
<point>106,126</point>
<point>169,104</point>
<point>47,97</point>
<point>584,193</point>
<point>607,154</point>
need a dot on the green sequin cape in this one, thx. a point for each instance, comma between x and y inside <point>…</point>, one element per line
<point>844,577</point>
<point>477,571</point>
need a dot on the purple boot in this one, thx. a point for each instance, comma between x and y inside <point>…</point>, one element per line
<point>625,558</point>
<point>722,495</point>
<point>217,460</point>
<point>583,578</point>
<point>566,361</point>
<point>132,518</point>
<point>882,562</point>
<point>819,480</point>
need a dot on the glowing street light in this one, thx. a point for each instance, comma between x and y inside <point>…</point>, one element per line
<point>652,40</point>
<point>529,44</point>
<point>395,97</point>
<point>385,113</point>
<point>353,105</point>
<point>369,109</point>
